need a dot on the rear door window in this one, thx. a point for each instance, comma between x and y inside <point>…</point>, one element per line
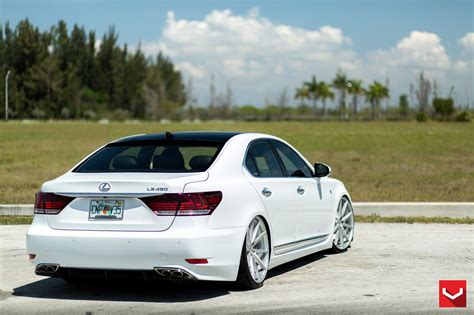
<point>261,160</point>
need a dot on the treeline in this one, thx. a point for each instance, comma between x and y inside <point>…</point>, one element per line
<point>71,74</point>
<point>350,94</point>
<point>66,73</point>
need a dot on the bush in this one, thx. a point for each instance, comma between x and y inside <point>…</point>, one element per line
<point>444,107</point>
<point>464,116</point>
<point>421,117</point>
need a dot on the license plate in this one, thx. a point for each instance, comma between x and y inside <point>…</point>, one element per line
<point>106,209</point>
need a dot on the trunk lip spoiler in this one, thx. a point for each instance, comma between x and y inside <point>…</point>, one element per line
<point>106,195</point>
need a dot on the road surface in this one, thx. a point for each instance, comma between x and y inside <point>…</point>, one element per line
<point>390,268</point>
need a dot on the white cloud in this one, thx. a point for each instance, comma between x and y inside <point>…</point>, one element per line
<point>467,42</point>
<point>187,67</point>
<point>260,58</point>
<point>419,50</point>
<point>246,50</point>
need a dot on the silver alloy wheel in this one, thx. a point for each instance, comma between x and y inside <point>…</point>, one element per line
<point>344,225</point>
<point>257,249</point>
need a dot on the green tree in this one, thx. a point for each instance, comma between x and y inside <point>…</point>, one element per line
<point>325,93</point>
<point>313,92</point>
<point>301,94</point>
<point>374,95</point>
<point>163,90</point>
<point>403,105</point>
<point>355,89</point>
<point>341,83</point>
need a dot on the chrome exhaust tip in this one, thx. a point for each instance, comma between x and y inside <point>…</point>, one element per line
<point>47,268</point>
<point>177,274</point>
<point>173,273</point>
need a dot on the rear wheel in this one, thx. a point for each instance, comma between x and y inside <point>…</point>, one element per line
<point>255,255</point>
<point>343,226</point>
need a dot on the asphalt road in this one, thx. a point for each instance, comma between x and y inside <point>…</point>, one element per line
<point>390,268</point>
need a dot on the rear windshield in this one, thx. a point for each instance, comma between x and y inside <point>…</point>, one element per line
<point>152,156</point>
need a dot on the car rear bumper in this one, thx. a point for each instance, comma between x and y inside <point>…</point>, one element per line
<point>141,251</point>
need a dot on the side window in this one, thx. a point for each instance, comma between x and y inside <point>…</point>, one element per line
<point>294,165</point>
<point>261,161</point>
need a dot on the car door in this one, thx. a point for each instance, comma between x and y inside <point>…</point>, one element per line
<point>274,189</point>
<point>313,209</point>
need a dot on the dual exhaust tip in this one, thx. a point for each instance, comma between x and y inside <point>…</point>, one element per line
<point>173,273</point>
<point>47,268</point>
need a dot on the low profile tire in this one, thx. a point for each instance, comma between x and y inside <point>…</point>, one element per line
<point>343,226</point>
<point>255,256</point>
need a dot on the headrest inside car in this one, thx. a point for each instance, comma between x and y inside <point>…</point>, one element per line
<point>124,163</point>
<point>200,162</point>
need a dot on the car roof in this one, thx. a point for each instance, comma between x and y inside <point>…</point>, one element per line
<point>219,136</point>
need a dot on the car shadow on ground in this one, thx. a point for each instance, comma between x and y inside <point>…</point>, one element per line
<point>141,291</point>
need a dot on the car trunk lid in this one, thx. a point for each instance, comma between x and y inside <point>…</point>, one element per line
<point>102,190</point>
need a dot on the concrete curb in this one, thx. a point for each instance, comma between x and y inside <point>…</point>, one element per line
<point>20,209</point>
<point>384,209</point>
<point>416,209</point>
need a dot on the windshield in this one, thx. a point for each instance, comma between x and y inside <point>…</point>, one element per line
<point>152,156</point>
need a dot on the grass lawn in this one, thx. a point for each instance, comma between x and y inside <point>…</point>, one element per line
<point>378,161</point>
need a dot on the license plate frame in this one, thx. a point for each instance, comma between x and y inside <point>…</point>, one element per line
<point>106,209</point>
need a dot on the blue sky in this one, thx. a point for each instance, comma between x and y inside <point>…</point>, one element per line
<point>371,30</point>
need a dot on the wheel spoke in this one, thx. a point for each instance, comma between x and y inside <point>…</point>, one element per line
<point>255,231</point>
<point>344,219</point>
<point>260,250</point>
<point>259,262</point>
<point>347,225</point>
<point>250,263</point>
<point>256,271</point>
<point>259,237</point>
<point>247,241</point>
<point>345,234</point>
<point>343,209</point>
<point>336,237</point>
<point>341,237</point>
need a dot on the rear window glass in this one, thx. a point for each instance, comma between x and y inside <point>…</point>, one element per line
<point>156,156</point>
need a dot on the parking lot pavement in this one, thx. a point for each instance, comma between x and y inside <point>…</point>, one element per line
<point>390,268</point>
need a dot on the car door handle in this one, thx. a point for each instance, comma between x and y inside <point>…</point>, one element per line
<point>266,192</point>
<point>300,190</point>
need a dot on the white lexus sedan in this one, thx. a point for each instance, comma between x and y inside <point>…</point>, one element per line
<point>188,206</point>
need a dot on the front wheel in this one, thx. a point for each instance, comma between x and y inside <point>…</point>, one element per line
<point>343,226</point>
<point>255,256</point>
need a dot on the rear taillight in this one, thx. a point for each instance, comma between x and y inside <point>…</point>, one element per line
<point>184,204</point>
<point>49,203</point>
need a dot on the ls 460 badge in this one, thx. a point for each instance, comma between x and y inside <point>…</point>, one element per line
<point>157,189</point>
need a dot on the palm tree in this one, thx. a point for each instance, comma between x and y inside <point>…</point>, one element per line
<point>375,93</point>
<point>325,93</point>
<point>356,89</point>
<point>340,82</point>
<point>313,91</point>
<point>301,94</point>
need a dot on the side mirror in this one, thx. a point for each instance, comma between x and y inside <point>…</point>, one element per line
<point>321,170</point>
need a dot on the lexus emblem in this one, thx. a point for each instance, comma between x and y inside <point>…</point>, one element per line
<point>104,187</point>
